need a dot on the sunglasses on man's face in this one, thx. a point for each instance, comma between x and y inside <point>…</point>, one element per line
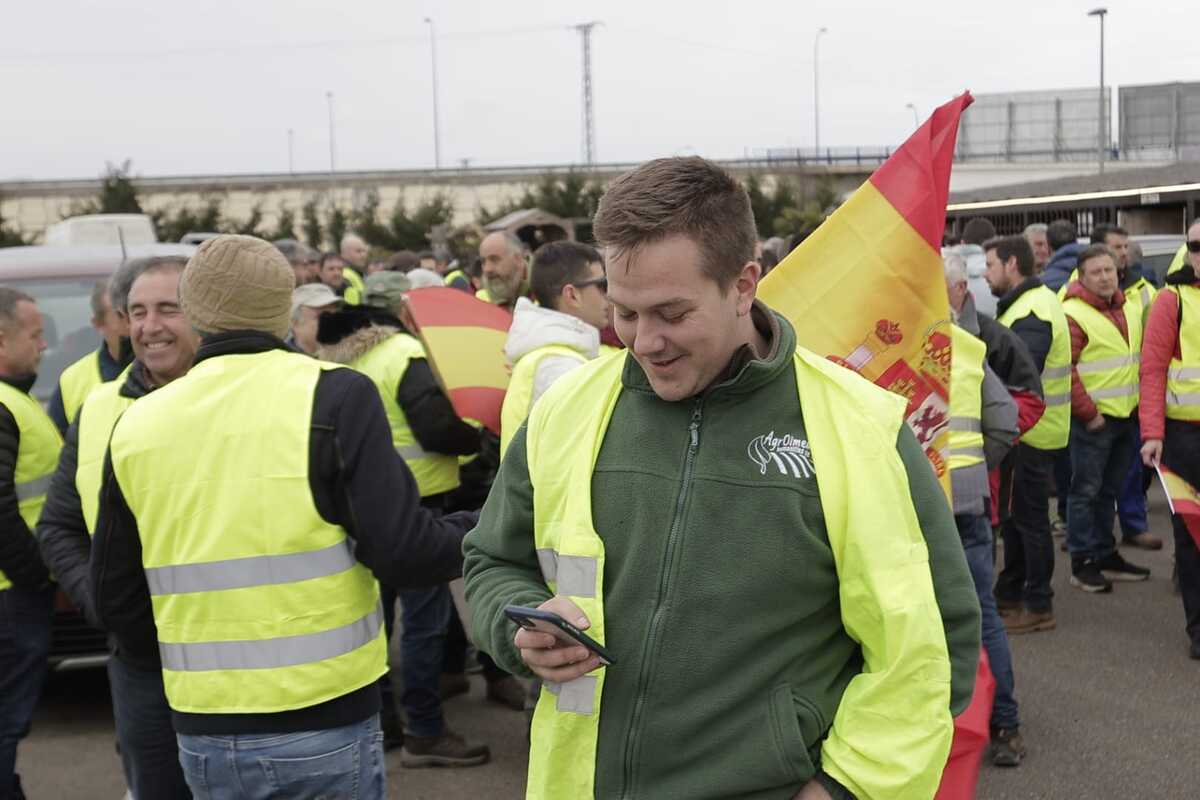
<point>1193,245</point>
<point>601,283</point>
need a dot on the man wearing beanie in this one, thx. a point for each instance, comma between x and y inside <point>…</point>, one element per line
<point>247,509</point>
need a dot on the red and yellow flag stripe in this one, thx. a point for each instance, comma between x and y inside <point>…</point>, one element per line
<point>867,288</point>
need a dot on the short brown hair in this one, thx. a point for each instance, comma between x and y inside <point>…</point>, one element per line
<point>1093,251</point>
<point>689,196</point>
<point>9,299</point>
<point>1017,247</point>
<point>557,264</point>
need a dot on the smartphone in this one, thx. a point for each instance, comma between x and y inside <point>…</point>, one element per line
<point>535,619</point>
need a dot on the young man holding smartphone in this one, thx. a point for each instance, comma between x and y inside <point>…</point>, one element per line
<point>750,531</point>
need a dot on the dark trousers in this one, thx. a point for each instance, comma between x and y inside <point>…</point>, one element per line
<point>1028,548</point>
<point>1062,480</point>
<point>1131,502</point>
<point>149,753</point>
<point>1099,466</point>
<point>425,614</point>
<point>25,633</point>
<point>975,530</point>
<point>1181,453</point>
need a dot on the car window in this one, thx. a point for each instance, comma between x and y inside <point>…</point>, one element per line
<point>65,304</point>
<point>1157,264</point>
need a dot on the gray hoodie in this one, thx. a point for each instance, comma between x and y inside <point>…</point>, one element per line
<point>534,327</point>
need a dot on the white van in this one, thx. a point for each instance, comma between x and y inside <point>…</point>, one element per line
<point>101,229</point>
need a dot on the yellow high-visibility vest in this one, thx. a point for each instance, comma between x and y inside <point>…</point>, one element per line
<point>518,398</point>
<point>1183,374</point>
<point>100,412</point>
<point>37,456</point>
<point>564,435</point>
<point>966,399</point>
<point>77,381</point>
<point>260,604</point>
<point>1108,365</point>
<point>355,289</point>
<point>385,364</point>
<point>451,277</point>
<point>1054,428</point>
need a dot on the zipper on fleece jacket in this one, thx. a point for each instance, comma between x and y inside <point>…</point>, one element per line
<point>664,583</point>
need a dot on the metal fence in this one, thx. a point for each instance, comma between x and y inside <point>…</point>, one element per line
<point>1160,121</point>
<point>1055,125</point>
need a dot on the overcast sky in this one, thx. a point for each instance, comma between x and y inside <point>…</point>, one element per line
<point>214,86</point>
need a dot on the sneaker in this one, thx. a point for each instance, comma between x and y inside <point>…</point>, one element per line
<point>1116,568</point>
<point>507,691</point>
<point>1007,747</point>
<point>1144,541</point>
<point>1030,622</point>
<point>1087,576</point>
<point>447,750</point>
<point>452,684</point>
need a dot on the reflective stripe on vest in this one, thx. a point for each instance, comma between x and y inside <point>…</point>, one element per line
<point>385,364</point>
<point>100,412</point>
<point>967,356</point>
<point>1108,364</point>
<point>258,605</point>
<point>38,447</point>
<point>565,433</point>
<point>518,398</point>
<point>77,381</point>
<point>355,291</point>
<point>1053,429</point>
<point>1183,373</point>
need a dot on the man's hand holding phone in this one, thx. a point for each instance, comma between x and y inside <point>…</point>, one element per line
<point>550,657</point>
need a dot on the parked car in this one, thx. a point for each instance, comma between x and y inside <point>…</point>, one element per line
<point>101,229</point>
<point>61,280</point>
<point>1157,251</point>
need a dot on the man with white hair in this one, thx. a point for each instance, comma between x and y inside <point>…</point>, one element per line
<point>505,269</point>
<point>1035,234</point>
<point>354,252</point>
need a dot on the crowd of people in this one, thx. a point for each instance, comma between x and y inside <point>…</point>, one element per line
<point>259,462</point>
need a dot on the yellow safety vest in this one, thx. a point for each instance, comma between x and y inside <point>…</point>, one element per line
<point>37,456</point>
<point>451,277</point>
<point>385,364</point>
<point>852,427</point>
<point>484,295</point>
<point>77,380</point>
<point>1108,365</point>
<point>519,396</point>
<point>1054,428</point>
<point>355,289</point>
<point>100,412</point>
<point>607,349</point>
<point>260,604</point>
<point>967,356</point>
<point>1183,374</point>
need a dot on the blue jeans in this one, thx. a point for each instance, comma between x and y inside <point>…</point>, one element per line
<point>25,633</point>
<point>976,534</point>
<point>1099,464</point>
<point>425,614</point>
<point>346,763</point>
<point>149,755</point>
<point>1131,502</point>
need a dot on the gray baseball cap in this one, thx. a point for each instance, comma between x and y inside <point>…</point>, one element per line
<point>313,295</point>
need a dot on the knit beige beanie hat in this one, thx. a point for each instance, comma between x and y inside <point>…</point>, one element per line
<point>238,283</point>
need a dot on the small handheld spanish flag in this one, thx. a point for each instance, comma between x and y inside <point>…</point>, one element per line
<point>1183,499</point>
<point>464,338</point>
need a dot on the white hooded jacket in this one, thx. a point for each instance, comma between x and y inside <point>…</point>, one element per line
<point>534,327</point>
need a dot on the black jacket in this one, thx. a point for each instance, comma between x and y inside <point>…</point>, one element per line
<point>19,558</point>
<point>1007,354</point>
<point>357,481</point>
<point>61,531</point>
<point>1036,334</point>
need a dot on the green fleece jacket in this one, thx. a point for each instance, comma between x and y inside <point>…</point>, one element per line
<point>731,654</point>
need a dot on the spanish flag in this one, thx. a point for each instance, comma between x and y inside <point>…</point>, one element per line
<point>867,289</point>
<point>1183,499</point>
<point>464,338</point>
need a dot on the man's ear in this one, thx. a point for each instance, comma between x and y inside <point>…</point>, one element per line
<point>746,286</point>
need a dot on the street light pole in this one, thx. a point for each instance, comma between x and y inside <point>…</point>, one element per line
<point>817,93</point>
<point>291,151</point>
<point>916,116</point>
<point>437,136</point>
<point>1101,144</point>
<point>332,159</point>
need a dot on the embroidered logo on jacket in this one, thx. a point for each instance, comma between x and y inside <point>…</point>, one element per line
<point>789,454</point>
